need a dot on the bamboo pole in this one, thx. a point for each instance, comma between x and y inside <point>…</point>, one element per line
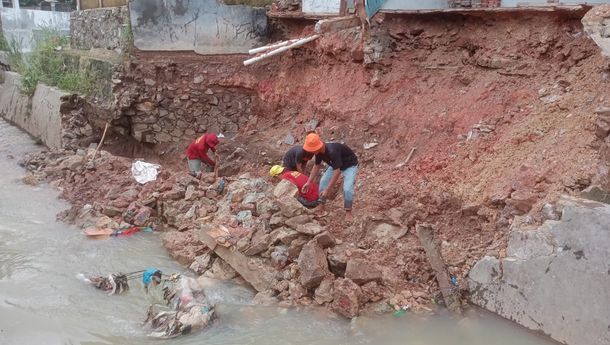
<point>100,143</point>
<point>280,50</point>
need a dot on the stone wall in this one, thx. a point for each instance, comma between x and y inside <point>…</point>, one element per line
<point>169,100</point>
<point>104,28</point>
<point>204,26</point>
<point>555,279</point>
<point>24,26</point>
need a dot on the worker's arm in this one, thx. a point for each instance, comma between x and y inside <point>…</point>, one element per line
<point>331,184</point>
<point>312,176</point>
<point>207,160</point>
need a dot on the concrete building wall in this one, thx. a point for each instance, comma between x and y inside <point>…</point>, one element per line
<point>555,279</point>
<point>24,25</point>
<point>205,26</point>
<point>40,116</point>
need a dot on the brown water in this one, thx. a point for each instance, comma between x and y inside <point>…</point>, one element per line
<point>43,302</point>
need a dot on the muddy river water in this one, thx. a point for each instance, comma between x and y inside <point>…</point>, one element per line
<point>43,302</point>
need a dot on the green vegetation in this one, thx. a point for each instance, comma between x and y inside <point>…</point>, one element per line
<point>47,64</point>
<point>253,3</point>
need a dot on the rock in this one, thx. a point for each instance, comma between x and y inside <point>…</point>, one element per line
<point>296,290</point>
<point>362,271</point>
<point>311,125</point>
<point>276,220</point>
<point>149,82</point>
<point>190,192</point>
<point>324,292</point>
<point>596,193</point>
<point>371,292</point>
<point>265,298</point>
<point>266,206</point>
<point>311,229</point>
<point>549,212</point>
<point>294,222</point>
<point>198,80</point>
<point>312,265</point>
<point>201,263</point>
<point>522,200</point>
<point>325,240</point>
<point>368,146</point>
<point>602,128</point>
<point>105,222</point>
<point>395,215</point>
<point>111,211</point>
<point>71,163</point>
<point>289,139</point>
<point>279,257</point>
<point>471,209</point>
<point>284,235</point>
<point>142,217</point>
<point>296,246</point>
<point>30,180</point>
<point>346,298</point>
<point>290,207</point>
<point>260,246</point>
<point>388,233</point>
<point>145,107</point>
<point>284,188</point>
<point>221,270</point>
<point>131,194</point>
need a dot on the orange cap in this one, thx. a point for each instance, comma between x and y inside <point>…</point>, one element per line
<point>312,143</point>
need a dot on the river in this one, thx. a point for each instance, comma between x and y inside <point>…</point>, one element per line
<point>43,302</point>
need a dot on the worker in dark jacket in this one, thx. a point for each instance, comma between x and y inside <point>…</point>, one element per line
<point>197,152</point>
<point>341,160</point>
<point>296,159</point>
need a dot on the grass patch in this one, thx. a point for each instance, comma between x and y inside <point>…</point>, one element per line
<point>47,64</point>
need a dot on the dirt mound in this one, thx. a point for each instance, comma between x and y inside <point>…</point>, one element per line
<point>498,107</point>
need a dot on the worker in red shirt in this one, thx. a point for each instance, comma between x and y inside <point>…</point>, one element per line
<point>308,199</point>
<point>197,152</point>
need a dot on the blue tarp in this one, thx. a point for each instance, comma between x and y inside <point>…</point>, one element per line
<point>372,6</point>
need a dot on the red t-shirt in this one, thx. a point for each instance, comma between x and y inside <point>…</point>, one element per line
<point>299,180</point>
<point>198,149</point>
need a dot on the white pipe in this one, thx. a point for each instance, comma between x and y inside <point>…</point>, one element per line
<point>271,46</point>
<point>280,50</point>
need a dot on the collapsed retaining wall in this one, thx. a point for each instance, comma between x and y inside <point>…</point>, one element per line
<point>555,278</point>
<point>205,26</point>
<point>165,100</point>
<point>40,116</point>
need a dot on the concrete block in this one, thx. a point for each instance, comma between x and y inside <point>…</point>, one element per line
<point>555,279</point>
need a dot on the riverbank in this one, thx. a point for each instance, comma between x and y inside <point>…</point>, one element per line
<point>42,301</point>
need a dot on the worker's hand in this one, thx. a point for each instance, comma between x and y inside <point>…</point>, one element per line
<point>305,187</point>
<point>324,194</point>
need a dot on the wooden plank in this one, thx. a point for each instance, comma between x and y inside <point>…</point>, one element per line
<point>237,260</point>
<point>451,296</point>
<point>337,24</point>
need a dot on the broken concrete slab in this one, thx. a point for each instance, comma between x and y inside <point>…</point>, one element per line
<point>541,283</point>
<point>255,273</point>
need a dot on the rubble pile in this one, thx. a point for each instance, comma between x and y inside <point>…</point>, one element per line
<point>291,250</point>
